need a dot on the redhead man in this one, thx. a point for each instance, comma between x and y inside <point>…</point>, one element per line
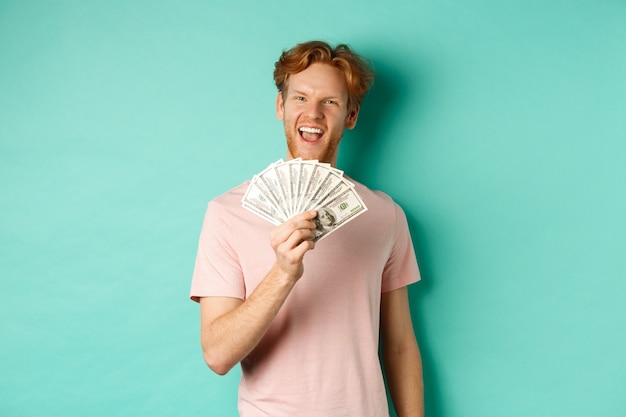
<point>304,318</point>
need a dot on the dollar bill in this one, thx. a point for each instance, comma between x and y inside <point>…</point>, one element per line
<point>268,180</point>
<point>287,188</point>
<point>256,200</point>
<point>337,211</point>
<point>330,181</point>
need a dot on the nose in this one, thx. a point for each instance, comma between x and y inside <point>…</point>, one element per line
<point>314,110</point>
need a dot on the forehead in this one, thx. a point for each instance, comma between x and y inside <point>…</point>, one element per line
<point>318,78</point>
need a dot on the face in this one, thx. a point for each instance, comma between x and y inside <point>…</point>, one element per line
<point>326,218</point>
<point>315,113</point>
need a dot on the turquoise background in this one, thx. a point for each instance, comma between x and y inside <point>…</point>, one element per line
<point>499,126</point>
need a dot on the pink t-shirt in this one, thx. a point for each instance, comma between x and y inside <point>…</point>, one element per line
<point>320,354</point>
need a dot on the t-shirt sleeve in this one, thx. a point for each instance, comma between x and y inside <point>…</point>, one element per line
<point>217,271</point>
<point>401,268</point>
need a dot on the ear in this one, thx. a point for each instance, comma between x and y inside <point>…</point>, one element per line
<point>280,106</point>
<point>351,118</point>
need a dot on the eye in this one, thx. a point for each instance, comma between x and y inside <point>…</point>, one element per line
<point>299,98</point>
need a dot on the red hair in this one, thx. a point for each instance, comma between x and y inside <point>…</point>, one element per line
<point>358,74</point>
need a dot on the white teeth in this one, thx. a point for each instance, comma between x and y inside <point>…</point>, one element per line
<point>311,130</point>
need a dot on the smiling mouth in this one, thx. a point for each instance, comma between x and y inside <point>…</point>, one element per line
<point>310,134</point>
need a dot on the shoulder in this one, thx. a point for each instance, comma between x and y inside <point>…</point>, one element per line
<point>228,205</point>
<point>231,197</point>
<point>225,209</point>
<point>226,215</point>
<point>382,208</point>
<point>375,199</point>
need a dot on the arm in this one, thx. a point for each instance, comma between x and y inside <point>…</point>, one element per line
<point>401,356</point>
<point>229,327</point>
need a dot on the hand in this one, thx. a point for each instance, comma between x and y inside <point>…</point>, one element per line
<point>291,240</point>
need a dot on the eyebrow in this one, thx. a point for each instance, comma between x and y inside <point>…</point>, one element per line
<point>302,93</point>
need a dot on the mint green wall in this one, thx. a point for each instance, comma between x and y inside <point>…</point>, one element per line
<point>498,125</point>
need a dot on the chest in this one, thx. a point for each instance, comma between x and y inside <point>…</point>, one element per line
<point>352,254</point>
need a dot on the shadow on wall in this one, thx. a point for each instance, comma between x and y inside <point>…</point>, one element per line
<point>384,107</point>
<point>417,294</point>
<point>361,146</point>
<point>394,92</point>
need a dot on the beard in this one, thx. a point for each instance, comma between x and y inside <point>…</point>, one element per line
<point>326,154</point>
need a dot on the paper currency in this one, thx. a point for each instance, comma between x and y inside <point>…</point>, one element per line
<point>287,188</point>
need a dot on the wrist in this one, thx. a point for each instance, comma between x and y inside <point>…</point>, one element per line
<point>284,277</point>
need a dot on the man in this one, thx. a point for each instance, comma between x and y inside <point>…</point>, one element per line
<point>303,318</point>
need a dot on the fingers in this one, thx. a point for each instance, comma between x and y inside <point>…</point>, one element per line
<point>291,240</point>
<point>298,237</point>
<point>292,253</point>
<point>294,229</point>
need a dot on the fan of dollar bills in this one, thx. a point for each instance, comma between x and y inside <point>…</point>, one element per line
<point>287,188</point>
